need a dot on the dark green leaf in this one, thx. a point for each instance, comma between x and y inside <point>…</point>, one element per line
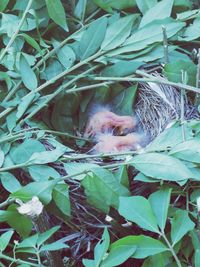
<point>103,190</point>
<point>137,209</point>
<point>61,198</point>
<point>173,71</point>
<point>57,13</point>
<point>3,5</point>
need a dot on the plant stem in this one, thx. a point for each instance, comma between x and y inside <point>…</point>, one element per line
<point>13,167</point>
<point>183,74</point>
<point>2,256</point>
<point>165,45</point>
<point>7,202</point>
<point>12,39</point>
<point>171,249</point>
<point>197,98</point>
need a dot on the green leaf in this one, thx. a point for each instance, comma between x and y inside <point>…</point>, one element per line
<point>41,189</point>
<point>57,13</point>
<point>28,76</point>
<point>118,255</point>
<point>73,168</point>
<point>92,38</point>
<point>65,54</point>
<point>192,31</point>
<point>161,10</point>
<point>31,42</point>
<point>173,71</point>
<point>107,5</point>
<point>188,150</point>
<point>103,190</point>
<point>61,198</point>
<point>145,5</point>
<point>149,34</point>
<point>45,157</point>
<point>155,260</point>
<point>189,14</point>
<point>22,152</point>
<point>3,5</point>
<point>161,166</point>
<point>88,263</point>
<point>118,32</point>
<point>197,258</point>
<point>5,239</point>
<point>46,235</point>
<point>122,176</point>
<point>122,68</point>
<point>137,209</point>
<point>9,182</point>
<point>30,241</point>
<point>1,158</point>
<point>169,138</point>
<point>42,172</point>
<point>146,246</point>
<point>24,104</point>
<point>20,223</point>
<point>123,102</point>
<point>160,201</point>
<point>57,245</point>
<point>180,225</point>
<point>101,248</point>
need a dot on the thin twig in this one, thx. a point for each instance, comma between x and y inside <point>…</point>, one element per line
<point>165,45</point>
<point>12,39</point>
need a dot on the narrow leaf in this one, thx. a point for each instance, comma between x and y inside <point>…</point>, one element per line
<point>57,13</point>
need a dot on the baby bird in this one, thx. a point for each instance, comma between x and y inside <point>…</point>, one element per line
<point>104,121</point>
<point>108,143</point>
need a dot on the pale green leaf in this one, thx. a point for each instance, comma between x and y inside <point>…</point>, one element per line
<point>180,225</point>
<point>118,32</point>
<point>5,239</point>
<point>146,246</point>
<point>145,5</point>
<point>92,38</point>
<point>101,247</point>
<point>160,166</point>
<point>188,150</point>
<point>9,182</point>
<point>57,13</point>
<point>160,201</point>
<point>159,11</point>
<point>61,198</point>
<point>28,76</point>
<point>137,209</point>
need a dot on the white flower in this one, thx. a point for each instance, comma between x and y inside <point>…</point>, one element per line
<point>32,208</point>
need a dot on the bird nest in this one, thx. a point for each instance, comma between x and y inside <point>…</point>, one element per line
<point>156,106</point>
